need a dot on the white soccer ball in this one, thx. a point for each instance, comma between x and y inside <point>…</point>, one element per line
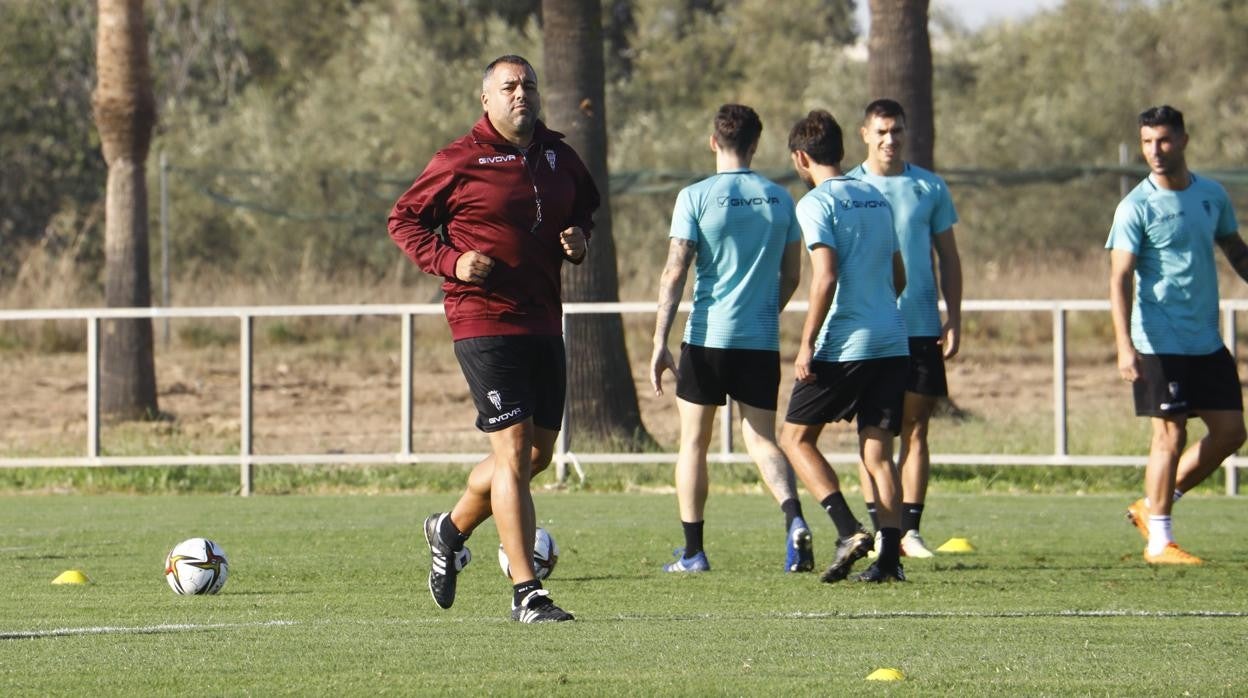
<point>196,566</point>
<point>545,555</point>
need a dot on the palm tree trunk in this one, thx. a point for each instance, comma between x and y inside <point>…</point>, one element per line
<point>125,113</point>
<point>899,66</point>
<point>603,398</point>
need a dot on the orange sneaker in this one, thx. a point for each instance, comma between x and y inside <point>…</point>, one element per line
<point>1137,515</point>
<point>1172,555</point>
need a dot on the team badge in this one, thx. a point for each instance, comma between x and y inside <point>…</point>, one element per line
<point>550,159</point>
<point>495,399</point>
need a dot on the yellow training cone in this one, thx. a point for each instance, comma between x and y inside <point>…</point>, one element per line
<point>71,577</point>
<point>956,545</point>
<point>885,675</point>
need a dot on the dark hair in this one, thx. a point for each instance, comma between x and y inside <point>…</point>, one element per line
<point>737,128</point>
<point>884,108</point>
<point>511,58</point>
<point>1165,115</point>
<point>819,136</point>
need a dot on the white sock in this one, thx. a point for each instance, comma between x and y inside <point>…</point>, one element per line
<point>1159,534</point>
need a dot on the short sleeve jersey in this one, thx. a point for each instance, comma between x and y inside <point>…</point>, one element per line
<point>741,223</point>
<point>1171,234</point>
<point>854,218</point>
<point>922,209</point>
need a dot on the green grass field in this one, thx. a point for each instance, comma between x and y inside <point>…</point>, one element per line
<point>327,596</point>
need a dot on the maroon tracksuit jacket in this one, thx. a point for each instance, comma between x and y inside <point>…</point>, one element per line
<point>509,204</point>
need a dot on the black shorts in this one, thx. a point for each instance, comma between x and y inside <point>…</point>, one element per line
<point>927,368</point>
<point>1174,385</point>
<point>514,377</point>
<point>872,390</point>
<point>708,376</point>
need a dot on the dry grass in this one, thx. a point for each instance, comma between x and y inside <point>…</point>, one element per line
<point>328,385</point>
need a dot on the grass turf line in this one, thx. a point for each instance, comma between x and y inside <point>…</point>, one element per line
<point>1056,600</point>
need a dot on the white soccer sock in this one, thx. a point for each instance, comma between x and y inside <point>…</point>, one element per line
<point>1159,534</point>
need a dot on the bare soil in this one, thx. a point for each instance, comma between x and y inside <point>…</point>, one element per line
<point>310,399</point>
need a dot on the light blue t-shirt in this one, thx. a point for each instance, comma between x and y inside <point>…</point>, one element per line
<point>741,222</point>
<point>856,220</point>
<point>1171,234</point>
<point>922,209</point>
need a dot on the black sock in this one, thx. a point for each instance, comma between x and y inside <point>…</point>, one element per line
<point>451,535</point>
<point>792,509</point>
<point>873,512</point>
<point>846,524</point>
<point>890,547</point>
<point>693,538</point>
<point>911,513</point>
<point>523,589</point>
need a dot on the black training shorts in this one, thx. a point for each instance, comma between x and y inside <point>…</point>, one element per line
<point>707,376</point>
<point>927,368</point>
<point>873,390</point>
<point>514,377</point>
<point>1174,385</point>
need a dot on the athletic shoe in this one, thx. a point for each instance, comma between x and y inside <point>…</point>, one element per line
<point>799,548</point>
<point>444,563</point>
<point>878,575</point>
<point>912,545</point>
<point>1137,515</point>
<point>538,608</point>
<point>697,563</point>
<point>848,551</point>
<point>874,552</point>
<point>1172,555</point>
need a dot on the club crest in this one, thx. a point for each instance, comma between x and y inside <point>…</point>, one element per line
<point>495,399</point>
<point>550,159</point>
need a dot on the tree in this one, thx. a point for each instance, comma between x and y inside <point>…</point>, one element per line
<point>125,112</point>
<point>604,397</point>
<point>899,66</point>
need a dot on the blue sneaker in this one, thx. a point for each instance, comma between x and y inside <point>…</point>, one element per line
<point>697,563</point>
<point>799,548</point>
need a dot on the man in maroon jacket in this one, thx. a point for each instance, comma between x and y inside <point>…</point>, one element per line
<point>496,213</point>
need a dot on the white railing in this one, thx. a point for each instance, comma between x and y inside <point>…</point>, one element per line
<point>564,456</point>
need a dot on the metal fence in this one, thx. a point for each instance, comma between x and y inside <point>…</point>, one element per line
<point>564,456</point>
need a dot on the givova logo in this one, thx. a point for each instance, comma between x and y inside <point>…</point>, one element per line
<point>504,416</point>
<point>853,203</point>
<point>495,159</point>
<point>726,201</point>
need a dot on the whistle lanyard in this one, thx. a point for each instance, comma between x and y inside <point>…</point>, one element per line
<point>537,197</point>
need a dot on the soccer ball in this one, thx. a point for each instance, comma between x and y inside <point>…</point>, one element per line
<point>545,555</point>
<point>196,566</point>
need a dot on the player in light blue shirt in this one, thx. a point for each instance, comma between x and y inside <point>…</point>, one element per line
<point>852,360</point>
<point>1161,255</point>
<point>923,216</point>
<point>740,229</point>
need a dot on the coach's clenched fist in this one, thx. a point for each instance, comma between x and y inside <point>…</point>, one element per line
<point>472,267</point>
<point>574,245</point>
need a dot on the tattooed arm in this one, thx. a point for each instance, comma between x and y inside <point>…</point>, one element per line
<point>671,288</point>
<point>1236,253</point>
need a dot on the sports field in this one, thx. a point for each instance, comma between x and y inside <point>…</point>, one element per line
<point>327,596</point>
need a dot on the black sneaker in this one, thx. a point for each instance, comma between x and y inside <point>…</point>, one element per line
<point>444,563</point>
<point>538,608</point>
<point>848,551</point>
<point>879,575</point>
